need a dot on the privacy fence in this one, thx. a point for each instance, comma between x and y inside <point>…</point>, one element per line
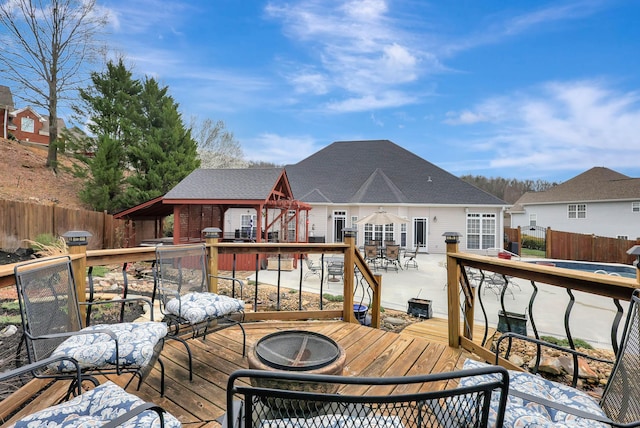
<point>23,221</point>
<point>573,246</point>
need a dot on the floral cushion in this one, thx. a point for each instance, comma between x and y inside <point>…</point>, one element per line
<point>198,307</point>
<point>95,408</point>
<point>335,421</point>
<point>136,345</point>
<point>524,413</point>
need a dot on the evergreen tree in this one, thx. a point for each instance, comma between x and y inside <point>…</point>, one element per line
<point>165,152</point>
<point>111,110</point>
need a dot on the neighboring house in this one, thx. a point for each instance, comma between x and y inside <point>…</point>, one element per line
<point>599,201</point>
<point>25,124</point>
<point>29,126</point>
<point>6,107</point>
<point>348,180</point>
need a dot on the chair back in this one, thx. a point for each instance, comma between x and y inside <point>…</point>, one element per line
<point>389,242</point>
<point>180,269</point>
<point>375,242</point>
<point>308,400</point>
<point>311,264</point>
<point>622,394</point>
<point>48,303</point>
<point>370,252</point>
<point>392,252</point>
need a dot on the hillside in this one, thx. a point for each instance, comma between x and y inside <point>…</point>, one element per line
<point>25,178</point>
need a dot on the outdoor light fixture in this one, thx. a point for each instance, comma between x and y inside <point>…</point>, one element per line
<point>211,232</point>
<point>451,237</point>
<point>635,251</point>
<point>77,237</point>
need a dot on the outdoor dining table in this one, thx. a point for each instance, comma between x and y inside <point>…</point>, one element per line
<point>335,267</point>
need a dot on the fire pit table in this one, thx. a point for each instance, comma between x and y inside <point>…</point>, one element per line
<point>299,351</point>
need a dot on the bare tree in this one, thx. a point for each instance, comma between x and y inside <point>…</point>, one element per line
<point>44,49</point>
<point>217,147</point>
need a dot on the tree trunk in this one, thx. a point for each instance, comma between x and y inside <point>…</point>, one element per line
<point>52,155</point>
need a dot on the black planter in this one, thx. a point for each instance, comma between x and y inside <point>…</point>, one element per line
<point>512,322</point>
<point>420,308</point>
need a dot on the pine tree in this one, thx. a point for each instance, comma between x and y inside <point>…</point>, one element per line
<point>111,109</point>
<point>165,152</point>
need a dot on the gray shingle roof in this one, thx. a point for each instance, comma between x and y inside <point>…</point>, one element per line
<point>378,171</point>
<point>238,184</point>
<point>596,184</point>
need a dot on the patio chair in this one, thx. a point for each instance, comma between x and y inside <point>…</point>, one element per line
<point>181,284</point>
<point>52,327</point>
<point>314,267</point>
<point>392,257</point>
<point>371,256</point>
<point>549,403</point>
<point>107,405</point>
<point>287,400</point>
<point>410,258</point>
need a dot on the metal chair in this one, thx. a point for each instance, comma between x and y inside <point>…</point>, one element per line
<point>371,256</point>
<point>313,268</point>
<point>410,258</point>
<point>182,284</point>
<point>52,327</point>
<point>287,399</point>
<point>618,406</point>
<point>107,405</point>
<point>392,257</point>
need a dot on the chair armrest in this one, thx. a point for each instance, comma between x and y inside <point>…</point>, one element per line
<point>541,343</point>
<point>234,281</point>
<point>135,412</point>
<point>120,301</point>
<point>30,368</point>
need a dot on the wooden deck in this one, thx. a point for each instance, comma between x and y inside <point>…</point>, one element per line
<point>370,352</point>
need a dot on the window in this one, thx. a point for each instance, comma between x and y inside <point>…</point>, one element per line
<point>577,210</point>
<point>533,219</point>
<point>403,234</point>
<point>27,124</point>
<point>625,237</point>
<point>291,226</point>
<point>635,207</point>
<point>354,219</point>
<point>481,231</point>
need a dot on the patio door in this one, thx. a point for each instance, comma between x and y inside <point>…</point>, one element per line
<point>420,233</point>
<point>339,223</point>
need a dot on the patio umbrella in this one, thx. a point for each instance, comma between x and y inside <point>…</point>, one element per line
<point>382,217</point>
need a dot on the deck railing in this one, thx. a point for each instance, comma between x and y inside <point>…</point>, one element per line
<point>466,290</point>
<point>359,282</point>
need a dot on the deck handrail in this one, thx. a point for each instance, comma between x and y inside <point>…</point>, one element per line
<point>83,258</point>
<point>461,290</point>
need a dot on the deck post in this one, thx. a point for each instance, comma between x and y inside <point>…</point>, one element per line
<point>77,241</point>
<point>349,260</point>
<point>211,236</point>
<point>453,292</point>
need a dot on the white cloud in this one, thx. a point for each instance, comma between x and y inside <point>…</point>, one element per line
<point>356,46</point>
<point>279,149</point>
<point>558,125</point>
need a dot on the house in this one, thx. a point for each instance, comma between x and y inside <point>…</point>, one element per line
<point>6,107</point>
<point>599,201</point>
<point>24,124</point>
<point>330,190</point>
<point>349,180</point>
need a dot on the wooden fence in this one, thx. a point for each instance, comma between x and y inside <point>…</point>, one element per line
<point>584,247</point>
<point>20,221</point>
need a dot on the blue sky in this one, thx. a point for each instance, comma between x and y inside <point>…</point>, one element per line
<point>517,89</point>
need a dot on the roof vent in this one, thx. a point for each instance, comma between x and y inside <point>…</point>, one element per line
<point>429,179</point>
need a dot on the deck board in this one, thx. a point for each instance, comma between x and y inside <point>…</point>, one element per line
<point>370,352</point>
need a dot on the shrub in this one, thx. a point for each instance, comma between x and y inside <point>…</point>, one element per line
<point>333,298</point>
<point>565,342</point>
